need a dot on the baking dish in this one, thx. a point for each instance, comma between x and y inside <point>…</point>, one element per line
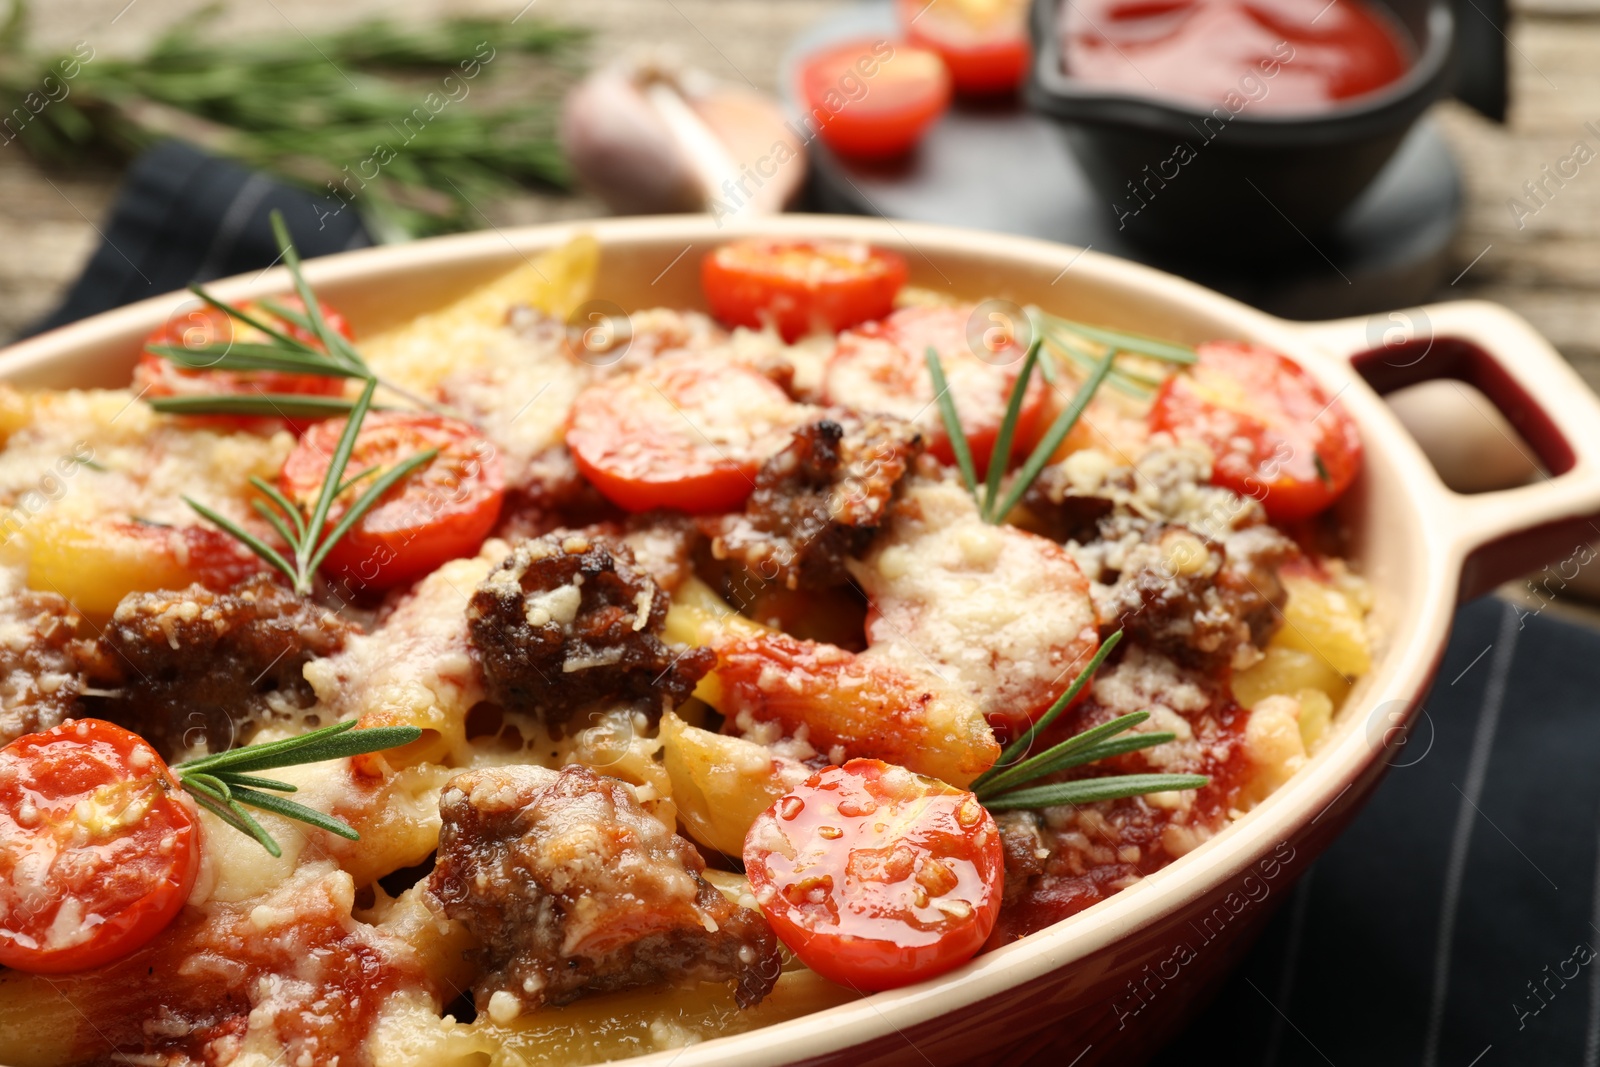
<point>1114,982</point>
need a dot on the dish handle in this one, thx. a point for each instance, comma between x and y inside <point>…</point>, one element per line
<point>1506,533</point>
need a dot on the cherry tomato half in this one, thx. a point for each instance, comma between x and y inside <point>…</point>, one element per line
<point>883,367</point>
<point>873,100</point>
<point>99,847</point>
<point>1276,434</point>
<point>441,511</point>
<point>983,42</point>
<point>801,286</point>
<point>686,432</point>
<point>876,877</point>
<point>156,376</point>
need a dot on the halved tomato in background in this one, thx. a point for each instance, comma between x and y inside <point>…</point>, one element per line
<point>801,286</point>
<point>99,847</point>
<point>882,367</point>
<point>441,511</point>
<point>876,877</point>
<point>870,99</point>
<point>1275,432</point>
<point>983,42</point>
<point>157,376</point>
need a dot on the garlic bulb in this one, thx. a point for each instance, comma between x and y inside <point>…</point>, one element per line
<point>646,137</point>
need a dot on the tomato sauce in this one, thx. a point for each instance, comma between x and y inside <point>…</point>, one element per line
<point>1264,55</point>
<point>1103,848</point>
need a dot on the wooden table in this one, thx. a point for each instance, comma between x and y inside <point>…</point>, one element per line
<point>1544,261</point>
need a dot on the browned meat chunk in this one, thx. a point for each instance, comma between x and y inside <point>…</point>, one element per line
<point>1205,604</point>
<point>1183,566</point>
<point>572,888</point>
<point>194,670</point>
<point>41,654</point>
<point>818,501</point>
<point>567,620</point>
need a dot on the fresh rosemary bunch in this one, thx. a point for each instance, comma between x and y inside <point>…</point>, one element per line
<point>1001,788</point>
<point>225,784</point>
<point>314,109</point>
<point>307,537</point>
<point>993,507</point>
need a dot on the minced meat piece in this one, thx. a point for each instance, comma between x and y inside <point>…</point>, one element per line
<point>41,654</point>
<point>1205,603</point>
<point>567,620</point>
<point>572,888</point>
<point>818,501</point>
<point>195,670</point>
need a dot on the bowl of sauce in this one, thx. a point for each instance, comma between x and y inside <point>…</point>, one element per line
<point>1258,121</point>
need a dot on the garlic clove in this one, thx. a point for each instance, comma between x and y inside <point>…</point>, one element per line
<point>622,151</point>
<point>646,138</point>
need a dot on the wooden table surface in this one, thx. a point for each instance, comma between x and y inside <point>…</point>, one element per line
<point>1544,264</point>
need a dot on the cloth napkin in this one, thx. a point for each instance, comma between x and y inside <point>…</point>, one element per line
<point>1455,923</point>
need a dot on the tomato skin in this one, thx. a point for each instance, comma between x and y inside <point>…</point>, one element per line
<point>439,512</point>
<point>882,367</point>
<point>875,908</point>
<point>686,432</point>
<point>129,880</point>
<point>801,286</point>
<point>987,57</point>
<point>157,376</point>
<point>870,100</point>
<point>1288,424</point>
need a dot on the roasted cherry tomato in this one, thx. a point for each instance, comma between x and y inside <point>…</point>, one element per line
<point>983,42</point>
<point>1276,434</point>
<point>156,376</point>
<point>873,100</point>
<point>439,512</point>
<point>99,847</point>
<point>876,877</point>
<point>801,286</point>
<point>883,367</point>
<point>686,432</point>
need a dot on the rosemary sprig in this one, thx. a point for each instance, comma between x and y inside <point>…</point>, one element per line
<point>306,537</point>
<point>221,785</point>
<point>998,787</point>
<point>1053,329</point>
<point>353,114</point>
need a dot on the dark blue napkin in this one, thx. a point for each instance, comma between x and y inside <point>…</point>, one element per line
<point>1454,923</point>
<point>184,216</point>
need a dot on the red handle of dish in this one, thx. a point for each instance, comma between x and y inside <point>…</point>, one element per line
<point>1506,533</point>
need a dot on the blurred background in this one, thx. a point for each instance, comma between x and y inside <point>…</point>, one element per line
<point>55,198</point>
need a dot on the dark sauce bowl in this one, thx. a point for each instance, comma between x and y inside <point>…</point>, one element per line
<point>1175,175</point>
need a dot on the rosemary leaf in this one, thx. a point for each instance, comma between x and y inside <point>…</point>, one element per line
<point>1053,437</point>
<point>223,760</point>
<point>353,479</point>
<point>275,520</point>
<point>1153,347</point>
<point>952,422</point>
<point>282,405</point>
<point>366,501</point>
<point>290,810</point>
<point>287,506</point>
<point>315,747</point>
<point>1000,457</point>
<point>250,540</point>
<point>250,355</point>
<point>1090,790</point>
<point>333,342</point>
<point>244,316</point>
<point>220,789</point>
<point>249,781</point>
<point>246,826</point>
<point>1019,747</point>
<point>314,541</point>
<point>1030,768</point>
